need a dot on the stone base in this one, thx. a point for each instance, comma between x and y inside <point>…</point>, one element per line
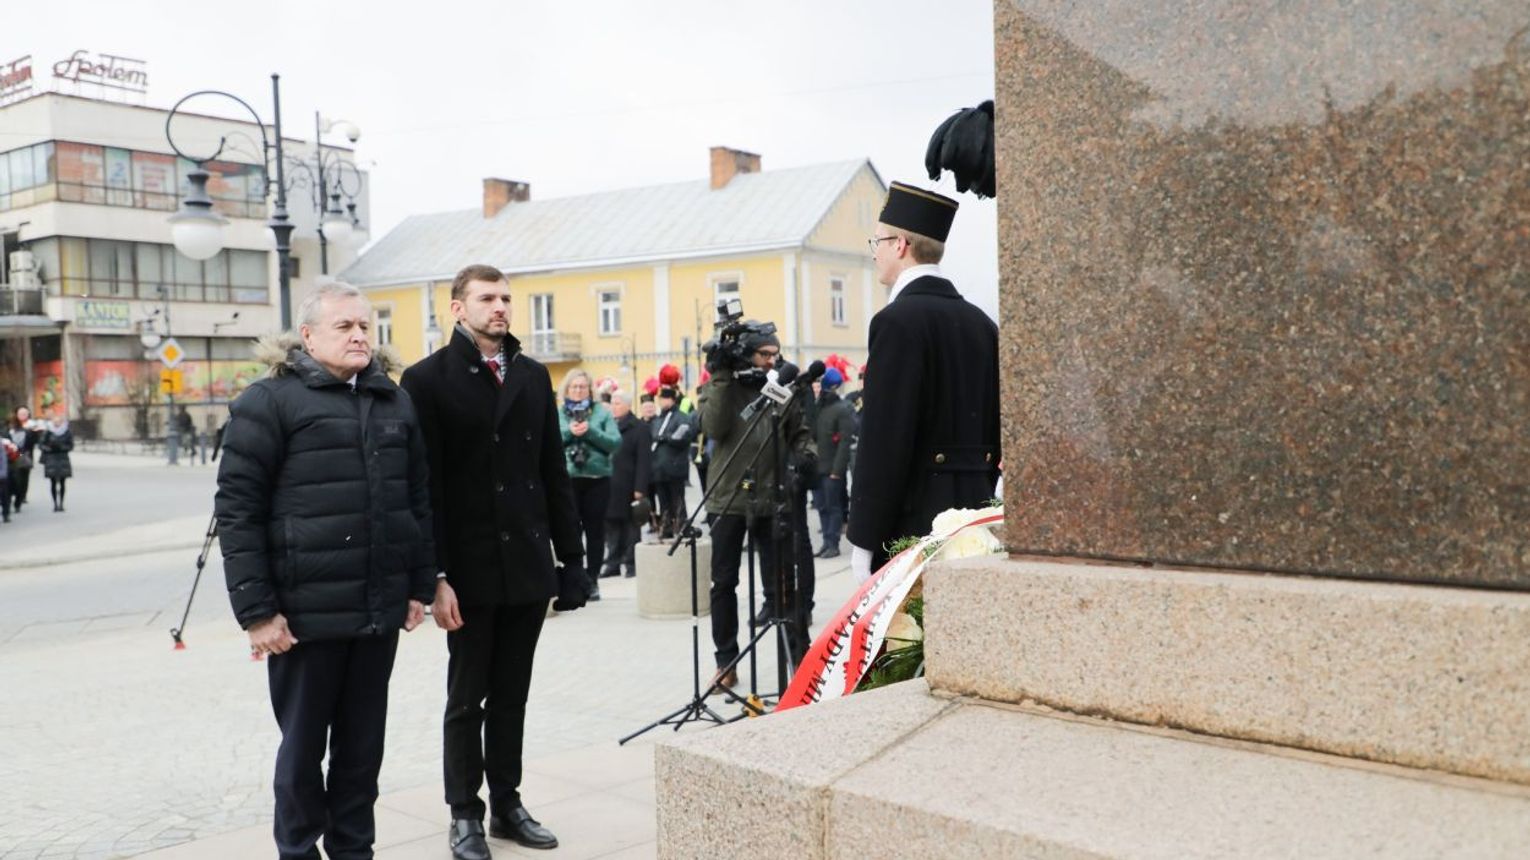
<point>1418,675</point>
<point>664,581</point>
<point>902,773</point>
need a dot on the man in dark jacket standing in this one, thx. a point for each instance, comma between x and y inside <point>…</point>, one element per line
<point>503,506</point>
<point>930,425</point>
<point>323,510</point>
<point>629,485</point>
<point>835,432</point>
<point>743,497</point>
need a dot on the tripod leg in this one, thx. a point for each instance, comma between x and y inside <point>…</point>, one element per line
<point>212,534</point>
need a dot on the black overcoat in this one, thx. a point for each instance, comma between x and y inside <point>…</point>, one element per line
<point>499,490</point>
<point>930,416</point>
<point>629,466</point>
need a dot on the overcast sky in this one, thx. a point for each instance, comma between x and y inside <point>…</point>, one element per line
<point>572,97</point>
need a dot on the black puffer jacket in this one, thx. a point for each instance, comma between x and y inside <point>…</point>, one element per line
<point>323,502</point>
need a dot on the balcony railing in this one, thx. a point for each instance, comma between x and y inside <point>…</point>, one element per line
<point>20,301</point>
<point>554,346</point>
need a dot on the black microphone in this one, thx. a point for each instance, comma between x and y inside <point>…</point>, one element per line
<point>786,372</point>
<point>812,374</point>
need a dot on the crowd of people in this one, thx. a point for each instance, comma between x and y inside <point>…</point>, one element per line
<point>479,493</point>
<point>27,443</point>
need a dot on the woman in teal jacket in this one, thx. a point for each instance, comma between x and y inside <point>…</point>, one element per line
<point>590,437</point>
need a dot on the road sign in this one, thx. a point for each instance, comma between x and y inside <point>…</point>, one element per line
<point>171,381</point>
<point>170,352</point>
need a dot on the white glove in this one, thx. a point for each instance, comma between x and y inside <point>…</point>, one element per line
<point>860,563</point>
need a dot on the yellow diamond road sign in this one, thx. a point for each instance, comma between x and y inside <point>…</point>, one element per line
<point>170,353</point>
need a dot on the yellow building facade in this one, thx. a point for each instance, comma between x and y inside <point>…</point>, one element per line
<point>790,245</point>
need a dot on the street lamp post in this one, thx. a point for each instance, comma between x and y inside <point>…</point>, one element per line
<point>150,339</point>
<point>198,229</point>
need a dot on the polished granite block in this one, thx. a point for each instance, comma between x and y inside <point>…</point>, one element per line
<point>1266,284</point>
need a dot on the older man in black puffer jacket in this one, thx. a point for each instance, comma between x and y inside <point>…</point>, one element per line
<point>323,511</point>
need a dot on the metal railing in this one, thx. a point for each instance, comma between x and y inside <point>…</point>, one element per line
<point>555,346</point>
<point>20,301</point>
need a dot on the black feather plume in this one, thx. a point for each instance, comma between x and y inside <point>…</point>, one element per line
<point>963,144</point>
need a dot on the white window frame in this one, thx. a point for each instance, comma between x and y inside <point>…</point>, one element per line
<point>382,323</point>
<point>608,309</point>
<point>538,326</point>
<point>717,279</point>
<point>838,304</point>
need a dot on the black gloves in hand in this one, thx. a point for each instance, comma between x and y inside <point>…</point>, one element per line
<point>573,587</point>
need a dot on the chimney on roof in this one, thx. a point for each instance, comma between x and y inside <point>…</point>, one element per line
<point>498,193</point>
<point>728,163</point>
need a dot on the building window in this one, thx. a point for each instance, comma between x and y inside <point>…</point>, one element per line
<point>110,176</point>
<point>71,266</point>
<point>384,326</point>
<point>544,338</point>
<point>837,301</point>
<point>610,304</point>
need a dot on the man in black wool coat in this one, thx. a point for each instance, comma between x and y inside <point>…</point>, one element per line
<point>930,421</point>
<point>503,506</point>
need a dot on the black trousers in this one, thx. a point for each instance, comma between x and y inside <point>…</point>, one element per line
<point>621,547</point>
<point>5,493</point>
<point>802,552</point>
<point>487,678</point>
<point>671,505</point>
<point>20,480</point>
<point>334,691</point>
<point>728,545</point>
<point>591,496</point>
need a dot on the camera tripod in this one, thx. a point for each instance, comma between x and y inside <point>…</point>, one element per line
<point>790,638</point>
<point>207,541</point>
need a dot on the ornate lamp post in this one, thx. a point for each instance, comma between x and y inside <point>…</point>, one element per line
<point>198,230</point>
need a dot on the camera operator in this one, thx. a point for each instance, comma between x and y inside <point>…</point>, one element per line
<point>743,500</point>
<point>590,437</point>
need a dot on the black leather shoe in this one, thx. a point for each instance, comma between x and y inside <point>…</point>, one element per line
<point>830,552</point>
<point>519,827</point>
<point>466,840</point>
<point>765,613</point>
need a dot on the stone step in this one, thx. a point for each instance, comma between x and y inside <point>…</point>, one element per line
<point>903,773</point>
<point>1418,675</point>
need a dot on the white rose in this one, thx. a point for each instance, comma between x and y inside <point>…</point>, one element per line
<point>903,631</point>
<point>973,541</point>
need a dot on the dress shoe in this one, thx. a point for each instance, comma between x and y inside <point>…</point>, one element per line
<point>629,574</point>
<point>765,614</point>
<point>829,552</point>
<point>519,827</point>
<point>609,574</point>
<point>727,679</point>
<point>594,596</point>
<point>466,840</point>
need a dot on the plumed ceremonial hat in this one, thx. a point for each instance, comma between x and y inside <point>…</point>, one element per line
<point>918,211</point>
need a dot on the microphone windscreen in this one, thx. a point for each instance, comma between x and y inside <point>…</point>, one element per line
<point>814,371</point>
<point>786,372</point>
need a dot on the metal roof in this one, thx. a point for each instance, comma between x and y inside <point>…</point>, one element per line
<point>753,212</point>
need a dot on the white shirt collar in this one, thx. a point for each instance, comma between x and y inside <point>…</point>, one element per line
<point>909,275</point>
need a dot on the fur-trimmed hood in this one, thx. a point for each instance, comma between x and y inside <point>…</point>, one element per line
<point>282,353</point>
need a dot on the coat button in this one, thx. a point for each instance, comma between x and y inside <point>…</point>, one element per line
<point>987,458</point>
<point>496,437</point>
<point>473,369</point>
<point>940,458</point>
<point>347,537</point>
<point>531,485</point>
<point>504,536</point>
<point>528,435</point>
<point>499,488</point>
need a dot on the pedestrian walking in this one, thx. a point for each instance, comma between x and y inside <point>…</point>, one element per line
<point>323,516</point>
<point>930,423</point>
<point>8,456</point>
<point>24,434</point>
<point>504,508</point>
<point>56,443</point>
<point>629,488</point>
<point>590,438</point>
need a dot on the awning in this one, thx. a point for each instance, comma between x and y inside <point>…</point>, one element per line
<point>18,326</point>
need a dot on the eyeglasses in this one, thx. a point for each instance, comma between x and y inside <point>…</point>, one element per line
<point>768,353</point>
<point>877,240</point>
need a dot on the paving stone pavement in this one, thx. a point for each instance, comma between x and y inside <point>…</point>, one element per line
<point>112,744</point>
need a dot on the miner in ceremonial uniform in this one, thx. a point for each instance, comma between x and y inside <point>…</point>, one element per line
<point>930,423</point>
